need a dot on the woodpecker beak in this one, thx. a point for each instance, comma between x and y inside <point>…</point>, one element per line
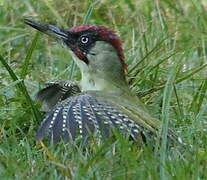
<point>48,29</point>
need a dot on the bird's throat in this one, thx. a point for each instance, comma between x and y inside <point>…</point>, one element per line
<point>91,83</point>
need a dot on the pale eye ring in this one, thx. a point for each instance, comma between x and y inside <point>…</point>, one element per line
<point>84,39</point>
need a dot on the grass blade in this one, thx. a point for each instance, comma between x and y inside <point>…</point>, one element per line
<point>12,39</point>
<point>185,77</point>
<point>10,86</point>
<point>199,97</point>
<point>55,13</point>
<point>165,118</point>
<point>22,88</point>
<point>191,73</point>
<point>28,56</point>
<point>158,45</point>
<point>89,11</point>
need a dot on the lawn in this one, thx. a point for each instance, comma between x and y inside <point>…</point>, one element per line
<point>165,46</point>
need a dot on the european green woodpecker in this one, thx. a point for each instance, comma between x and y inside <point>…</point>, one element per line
<point>103,101</point>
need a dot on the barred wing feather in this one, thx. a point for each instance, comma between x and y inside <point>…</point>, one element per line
<point>83,115</point>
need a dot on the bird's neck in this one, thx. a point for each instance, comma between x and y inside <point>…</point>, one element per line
<point>101,77</point>
<point>105,83</point>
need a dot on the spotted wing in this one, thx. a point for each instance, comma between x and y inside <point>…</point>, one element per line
<point>84,115</point>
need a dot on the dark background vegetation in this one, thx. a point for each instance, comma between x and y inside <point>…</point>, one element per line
<point>165,44</point>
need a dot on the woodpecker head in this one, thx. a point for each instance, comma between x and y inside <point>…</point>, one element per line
<point>97,49</point>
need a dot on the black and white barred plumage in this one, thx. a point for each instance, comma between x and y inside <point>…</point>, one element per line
<point>85,115</point>
<point>57,91</point>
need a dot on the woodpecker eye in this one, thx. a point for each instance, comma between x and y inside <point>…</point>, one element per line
<point>84,40</point>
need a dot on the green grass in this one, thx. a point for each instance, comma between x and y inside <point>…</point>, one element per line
<point>165,45</point>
